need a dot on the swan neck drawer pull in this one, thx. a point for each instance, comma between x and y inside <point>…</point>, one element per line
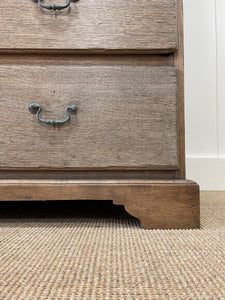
<point>35,108</point>
<point>55,7</point>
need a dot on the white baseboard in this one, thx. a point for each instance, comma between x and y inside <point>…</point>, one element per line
<point>208,172</point>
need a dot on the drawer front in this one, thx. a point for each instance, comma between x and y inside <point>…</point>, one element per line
<point>126,118</point>
<point>149,25</point>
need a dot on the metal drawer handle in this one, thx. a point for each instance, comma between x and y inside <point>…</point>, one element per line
<point>35,108</point>
<point>56,7</point>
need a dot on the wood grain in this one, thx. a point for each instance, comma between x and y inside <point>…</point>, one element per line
<point>168,204</point>
<point>127,117</point>
<point>90,26</point>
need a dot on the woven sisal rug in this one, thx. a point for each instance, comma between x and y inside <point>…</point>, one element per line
<point>94,250</point>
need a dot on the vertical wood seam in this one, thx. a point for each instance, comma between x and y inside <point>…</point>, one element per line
<point>179,64</point>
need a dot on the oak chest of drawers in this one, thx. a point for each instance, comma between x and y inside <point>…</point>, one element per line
<point>92,106</point>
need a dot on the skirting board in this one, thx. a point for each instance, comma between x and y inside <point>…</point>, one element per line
<point>209,172</point>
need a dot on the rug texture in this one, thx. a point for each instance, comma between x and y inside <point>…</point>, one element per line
<point>94,250</point>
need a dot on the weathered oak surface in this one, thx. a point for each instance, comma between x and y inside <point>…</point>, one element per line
<point>90,26</point>
<point>126,118</point>
<point>126,142</point>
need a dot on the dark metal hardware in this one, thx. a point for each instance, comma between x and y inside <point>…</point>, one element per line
<point>35,108</point>
<point>55,7</point>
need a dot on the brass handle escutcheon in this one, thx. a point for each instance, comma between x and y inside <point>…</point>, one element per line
<point>35,108</point>
<point>55,7</point>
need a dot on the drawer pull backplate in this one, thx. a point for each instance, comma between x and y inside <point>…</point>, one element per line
<point>35,108</point>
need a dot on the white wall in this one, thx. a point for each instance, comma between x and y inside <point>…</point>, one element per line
<point>204,40</point>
